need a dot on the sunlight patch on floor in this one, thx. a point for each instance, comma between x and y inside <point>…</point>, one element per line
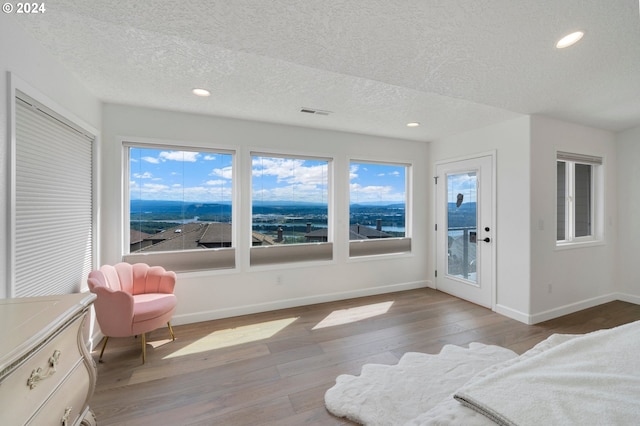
<point>346,316</point>
<point>234,336</point>
<point>158,343</point>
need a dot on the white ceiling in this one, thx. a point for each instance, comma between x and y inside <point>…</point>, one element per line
<point>452,65</point>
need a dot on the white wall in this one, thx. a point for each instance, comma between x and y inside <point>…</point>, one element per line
<point>579,277</point>
<point>510,140</point>
<point>535,280</point>
<point>628,179</point>
<point>45,79</point>
<point>214,294</point>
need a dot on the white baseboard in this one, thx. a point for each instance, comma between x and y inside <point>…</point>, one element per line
<point>571,308</point>
<point>293,303</point>
<point>565,309</point>
<point>625,297</point>
<point>512,313</point>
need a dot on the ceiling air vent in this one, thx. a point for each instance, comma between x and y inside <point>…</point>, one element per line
<point>314,111</point>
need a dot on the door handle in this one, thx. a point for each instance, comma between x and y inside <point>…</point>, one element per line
<point>487,240</point>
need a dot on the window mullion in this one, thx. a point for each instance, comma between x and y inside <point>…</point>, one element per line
<point>571,213</point>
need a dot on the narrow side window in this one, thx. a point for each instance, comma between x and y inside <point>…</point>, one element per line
<point>578,204</point>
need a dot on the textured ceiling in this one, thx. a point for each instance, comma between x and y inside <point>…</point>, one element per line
<point>452,65</point>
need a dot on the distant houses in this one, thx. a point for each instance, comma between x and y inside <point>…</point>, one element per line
<point>356,232</point>
<point>190,236</point>
<point>202,235</point>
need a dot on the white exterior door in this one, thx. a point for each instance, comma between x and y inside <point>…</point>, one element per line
<point>465,229</point>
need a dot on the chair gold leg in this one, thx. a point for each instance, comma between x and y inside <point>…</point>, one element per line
<point>144,347</point>
<point>173,336</point>
<point>104,345</point>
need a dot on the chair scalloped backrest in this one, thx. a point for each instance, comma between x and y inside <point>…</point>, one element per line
<point>114,277</point>
<point>152,279</point>
<point>138,278</point>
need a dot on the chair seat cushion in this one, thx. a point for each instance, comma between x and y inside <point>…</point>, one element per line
<point>152,305</point>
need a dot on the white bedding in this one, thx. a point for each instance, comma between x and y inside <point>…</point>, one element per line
<point>565,379</point>
<point>451,412</point>
<point>591,379</point>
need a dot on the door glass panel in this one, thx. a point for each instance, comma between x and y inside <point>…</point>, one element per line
<point>462,225</point>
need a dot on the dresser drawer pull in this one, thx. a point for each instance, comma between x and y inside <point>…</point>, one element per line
<point>65,417</point>
<point>38,374</point>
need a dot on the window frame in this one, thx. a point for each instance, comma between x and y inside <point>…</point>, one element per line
<point>362,249</point>
<point>264,256</point>
<point>190,260</point>
<point>596,201</point>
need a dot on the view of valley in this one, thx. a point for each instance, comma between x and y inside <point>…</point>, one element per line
<point>150,217</point>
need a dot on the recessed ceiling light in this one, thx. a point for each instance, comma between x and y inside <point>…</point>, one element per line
<point>569,40</point>
<point>201,92</point>
<point>413,124</point>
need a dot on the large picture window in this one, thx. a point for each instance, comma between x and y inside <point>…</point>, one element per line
<point>577,204</point>
<point>179,200</point>
<point>290,207</point>
<point>378,208</point>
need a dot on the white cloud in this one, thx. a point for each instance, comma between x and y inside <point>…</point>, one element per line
<point>152,160</point>
<point>216,182</point>
<point>371,189</point>
<point>353,172</point>
<point>225,173</point>
<point>362,194</point>
<point>188,156</point>
<point>145,175</point>
<point>206,193</point>
<point>462,183</point>
<point>297,180</point>
<point>154,187</point>
<point>290,170</point>
<point>190,194</point>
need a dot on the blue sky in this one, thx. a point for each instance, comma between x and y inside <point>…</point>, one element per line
<point>462,183</point>
<point>370,182</point>
<point>179,175</point>
<point>157,174</point>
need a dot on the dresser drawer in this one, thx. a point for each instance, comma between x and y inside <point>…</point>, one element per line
<point>40,374</point>
<point>66,402</point>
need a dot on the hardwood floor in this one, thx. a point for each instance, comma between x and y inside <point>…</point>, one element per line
<point>273,368</point>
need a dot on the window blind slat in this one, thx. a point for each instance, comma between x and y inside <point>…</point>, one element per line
<point>53,243</point>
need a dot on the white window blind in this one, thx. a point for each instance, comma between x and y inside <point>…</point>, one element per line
<point>53,216</point>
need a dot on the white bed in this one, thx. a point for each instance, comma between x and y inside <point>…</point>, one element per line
<point>591,379</point>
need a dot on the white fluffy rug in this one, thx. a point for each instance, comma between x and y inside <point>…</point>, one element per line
<point>396,394</point>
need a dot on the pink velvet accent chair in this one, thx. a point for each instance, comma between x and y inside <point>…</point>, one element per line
<point>133,300</point>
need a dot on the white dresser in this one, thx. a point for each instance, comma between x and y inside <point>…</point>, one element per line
<point>47,375</point>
